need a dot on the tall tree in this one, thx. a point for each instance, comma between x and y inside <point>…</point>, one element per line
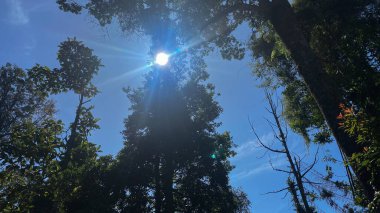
<point>173,159</point>
<point>78,185</point>
<point>213,21</point>
<point>42,170</point>
<point>346,41</point>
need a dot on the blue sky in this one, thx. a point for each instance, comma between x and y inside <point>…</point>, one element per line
<point>32,30</point>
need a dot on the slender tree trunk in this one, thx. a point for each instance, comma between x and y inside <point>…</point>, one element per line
<point>74,126</point>
<point>295,169</point>
<point>293,192</point>
<point>321,87</point>
<point>167,182</point>
<point>297,174</point>
<point>73,133</point>
<point>157,178</point>
<point>349,173</point>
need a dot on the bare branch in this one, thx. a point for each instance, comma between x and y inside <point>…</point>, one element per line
<point>85,102</point>
<point>271,123</point>
<point>261,143</point>
<point>277,191</point>
<point>259,157</point>
<point>280,170</point>
<point>286,194</point>
<point>306,180</point>
<point>312,165</point>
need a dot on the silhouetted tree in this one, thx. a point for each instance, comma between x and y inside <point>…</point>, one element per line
<point>173,159</point>
<point>42,170</point>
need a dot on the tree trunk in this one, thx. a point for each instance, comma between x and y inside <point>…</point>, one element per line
<point>72,141</point>
<point>74,126</point>
<point>321,87</point>
<point>157,179</point>
<point>297,174</point>
<point>167,182</point>
<point>294,167</point>
<point>293,192</point>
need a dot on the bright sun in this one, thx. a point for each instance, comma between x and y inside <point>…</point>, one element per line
<point>162,58</point>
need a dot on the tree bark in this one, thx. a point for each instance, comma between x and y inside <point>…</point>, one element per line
<point>321,87</point>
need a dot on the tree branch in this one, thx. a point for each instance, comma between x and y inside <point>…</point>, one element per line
<point>261,143</point>
<point>280,170</point>
<point>312,165</point>
<point>277,191</point>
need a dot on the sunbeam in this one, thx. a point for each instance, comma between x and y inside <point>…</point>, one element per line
<point>126,74</point>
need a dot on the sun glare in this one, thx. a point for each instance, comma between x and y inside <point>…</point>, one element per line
<point>162,59</point>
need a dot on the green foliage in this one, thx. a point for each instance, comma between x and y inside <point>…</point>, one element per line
<point>170,137</point>
<point>19,99</point>
<point>344,35</point>
<point>193,21</point>
<point>39,173</point>
<point>364,128</point>
<point>78,66</point>
<point>47,169</point>
<point>276,69</point>
<point>32,152</point>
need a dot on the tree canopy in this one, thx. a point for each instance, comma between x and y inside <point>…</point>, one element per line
<point>322,55</point>
<point>300,34</point>
<point>173,158</point>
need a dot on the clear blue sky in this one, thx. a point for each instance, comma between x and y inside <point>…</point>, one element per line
<point>32,30</point>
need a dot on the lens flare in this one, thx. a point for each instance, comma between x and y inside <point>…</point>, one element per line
<point>162,59</point>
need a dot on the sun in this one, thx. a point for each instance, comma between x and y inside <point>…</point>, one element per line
<point>162,59</point>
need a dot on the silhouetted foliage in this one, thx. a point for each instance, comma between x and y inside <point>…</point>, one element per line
<point>311,35</point>
<point>173,159</point>
<point>44,170</point>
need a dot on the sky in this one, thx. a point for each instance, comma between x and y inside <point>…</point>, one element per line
<point>32,30</point>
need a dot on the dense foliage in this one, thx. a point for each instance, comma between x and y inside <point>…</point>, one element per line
<point>346,40</point>
<point>173,159</point>
<point>326,51</point>
<point>324,55</point>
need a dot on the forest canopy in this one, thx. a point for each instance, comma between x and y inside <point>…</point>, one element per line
<point>320,57</point>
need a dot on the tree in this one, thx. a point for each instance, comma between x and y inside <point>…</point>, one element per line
<point>21,99</point>
<point>79,184</point>
<point>295,174</point>
<point>29,136</point>
<point>173,158</point>
<point>346,41</point>
<point>42,170</point>
<point>303,187</point>
<point>213,21</point>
